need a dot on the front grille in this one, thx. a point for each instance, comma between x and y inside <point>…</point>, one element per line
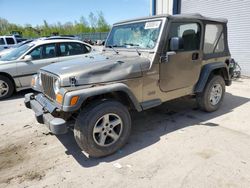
<point>47,84</point>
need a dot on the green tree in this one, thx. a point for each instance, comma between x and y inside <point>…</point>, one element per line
<point>102,24</point>
<point>94,23</point>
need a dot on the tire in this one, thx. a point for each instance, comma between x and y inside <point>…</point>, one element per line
<point>212,96</point>
<point>6,87</point>
<point>105,117</point>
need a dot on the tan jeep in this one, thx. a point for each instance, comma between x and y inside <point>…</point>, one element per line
<point>144,63</point>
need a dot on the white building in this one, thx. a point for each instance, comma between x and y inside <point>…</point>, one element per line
<point>236,11</point>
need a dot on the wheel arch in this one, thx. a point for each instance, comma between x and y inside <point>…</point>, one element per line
<point>9,77</point>
<point>208,70</point>
<point>117,91</point>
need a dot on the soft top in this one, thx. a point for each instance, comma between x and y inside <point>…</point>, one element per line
<point>177,17</point>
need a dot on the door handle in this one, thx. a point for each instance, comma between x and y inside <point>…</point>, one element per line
<point>195,56</point>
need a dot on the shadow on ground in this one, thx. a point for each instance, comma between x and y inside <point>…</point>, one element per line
<point>20,94</point>
<point>150,125</point>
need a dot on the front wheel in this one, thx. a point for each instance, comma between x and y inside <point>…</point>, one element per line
<point>212,96</point>
<point>102,128</point>
<point>6,87</point>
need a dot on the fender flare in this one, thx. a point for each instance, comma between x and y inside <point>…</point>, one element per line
<point>206,71</point>
<point>95,91</point>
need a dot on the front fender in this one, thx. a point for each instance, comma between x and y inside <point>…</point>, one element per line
<point>95,91</point>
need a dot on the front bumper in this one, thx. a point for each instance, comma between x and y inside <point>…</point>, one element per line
<point>43,109</point>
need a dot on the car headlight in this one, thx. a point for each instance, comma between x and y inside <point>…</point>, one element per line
<point>56,85</point>
<point>39,79</point>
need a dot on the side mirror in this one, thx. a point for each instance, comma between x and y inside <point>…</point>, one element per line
<point>27,58</point>
<point>176,43</point>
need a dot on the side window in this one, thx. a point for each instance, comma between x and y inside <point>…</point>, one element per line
<point>2,41</point>
<point>77,48</point>
<point>214,39</point>
<point>88,48</point>
<point>49,51</point>
<point>36,53</point>
<point>190,33</point>
<point>10,40</point>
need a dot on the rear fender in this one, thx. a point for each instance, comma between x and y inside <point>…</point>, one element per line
<point>207,70</point>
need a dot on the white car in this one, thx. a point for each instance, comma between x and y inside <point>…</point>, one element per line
<point>18,67</point>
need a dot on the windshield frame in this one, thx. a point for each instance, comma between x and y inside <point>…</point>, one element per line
<point>123,48</point>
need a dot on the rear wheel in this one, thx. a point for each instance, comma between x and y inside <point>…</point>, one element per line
<point>102,128</point>
<point>6,87</point>
<point>212,96</point>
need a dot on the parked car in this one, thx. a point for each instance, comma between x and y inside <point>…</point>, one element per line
<point>18,67</point>
<point>7,42</point>
<point>145,62</point>
<point>7,51</point>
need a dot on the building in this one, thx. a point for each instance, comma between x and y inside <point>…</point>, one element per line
<point>236,11</point>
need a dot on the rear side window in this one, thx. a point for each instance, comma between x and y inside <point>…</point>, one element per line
<point>73,48</point>
<point>2,41</point>
<point>10,40</point>
<point>214,39</point>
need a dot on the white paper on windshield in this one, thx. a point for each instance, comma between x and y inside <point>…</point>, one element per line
<point>152,25</point>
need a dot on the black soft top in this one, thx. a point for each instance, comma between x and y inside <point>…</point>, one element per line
<point>179,17</point>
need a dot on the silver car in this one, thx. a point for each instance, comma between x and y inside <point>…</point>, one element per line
<point>18,67</point>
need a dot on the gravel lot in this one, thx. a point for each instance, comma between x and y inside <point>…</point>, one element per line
<point>174,145</point>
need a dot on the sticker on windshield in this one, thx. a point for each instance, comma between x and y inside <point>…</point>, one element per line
<point>152,25</point>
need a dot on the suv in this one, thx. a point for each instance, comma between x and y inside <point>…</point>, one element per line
<point>144,63</point>
<point>7,42</point>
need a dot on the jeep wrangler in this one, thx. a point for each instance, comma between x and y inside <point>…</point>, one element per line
<point>144,63</point>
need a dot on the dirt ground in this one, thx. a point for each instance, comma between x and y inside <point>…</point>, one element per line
<point>174,145</point>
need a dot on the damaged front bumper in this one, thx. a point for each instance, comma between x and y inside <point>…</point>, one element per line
<point>43,109</point>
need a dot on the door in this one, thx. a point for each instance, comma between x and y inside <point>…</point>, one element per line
<point>40,56</point>
<point>181,69</point>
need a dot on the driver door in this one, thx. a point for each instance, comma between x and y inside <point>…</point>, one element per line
<point>181,68</point>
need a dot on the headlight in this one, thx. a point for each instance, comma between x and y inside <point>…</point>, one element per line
<point>39,79</point>
<point>56,86</point>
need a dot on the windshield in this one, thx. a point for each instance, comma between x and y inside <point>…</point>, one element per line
<point>142,35</point>
<point>16,53</point>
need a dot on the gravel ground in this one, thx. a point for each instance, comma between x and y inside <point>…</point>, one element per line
<point>174,145</point>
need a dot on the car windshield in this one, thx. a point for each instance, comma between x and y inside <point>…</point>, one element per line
<point>142,35</point>
<point>16,53</point>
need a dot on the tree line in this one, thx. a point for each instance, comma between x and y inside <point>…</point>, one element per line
<point>94,23</point>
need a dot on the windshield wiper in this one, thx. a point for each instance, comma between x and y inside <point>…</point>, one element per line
<point>112,46</point>
<point>131,44</point>
<point>137,45</point>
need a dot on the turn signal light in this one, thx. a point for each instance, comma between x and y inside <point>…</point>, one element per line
<point>59,98</point>
<point>33,82</point>
<point>74,100</point>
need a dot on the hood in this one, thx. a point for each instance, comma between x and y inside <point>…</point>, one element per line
<point>6,62</point>
<point>99,68</point>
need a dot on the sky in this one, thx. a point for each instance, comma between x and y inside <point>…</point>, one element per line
<point>35,11</point>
